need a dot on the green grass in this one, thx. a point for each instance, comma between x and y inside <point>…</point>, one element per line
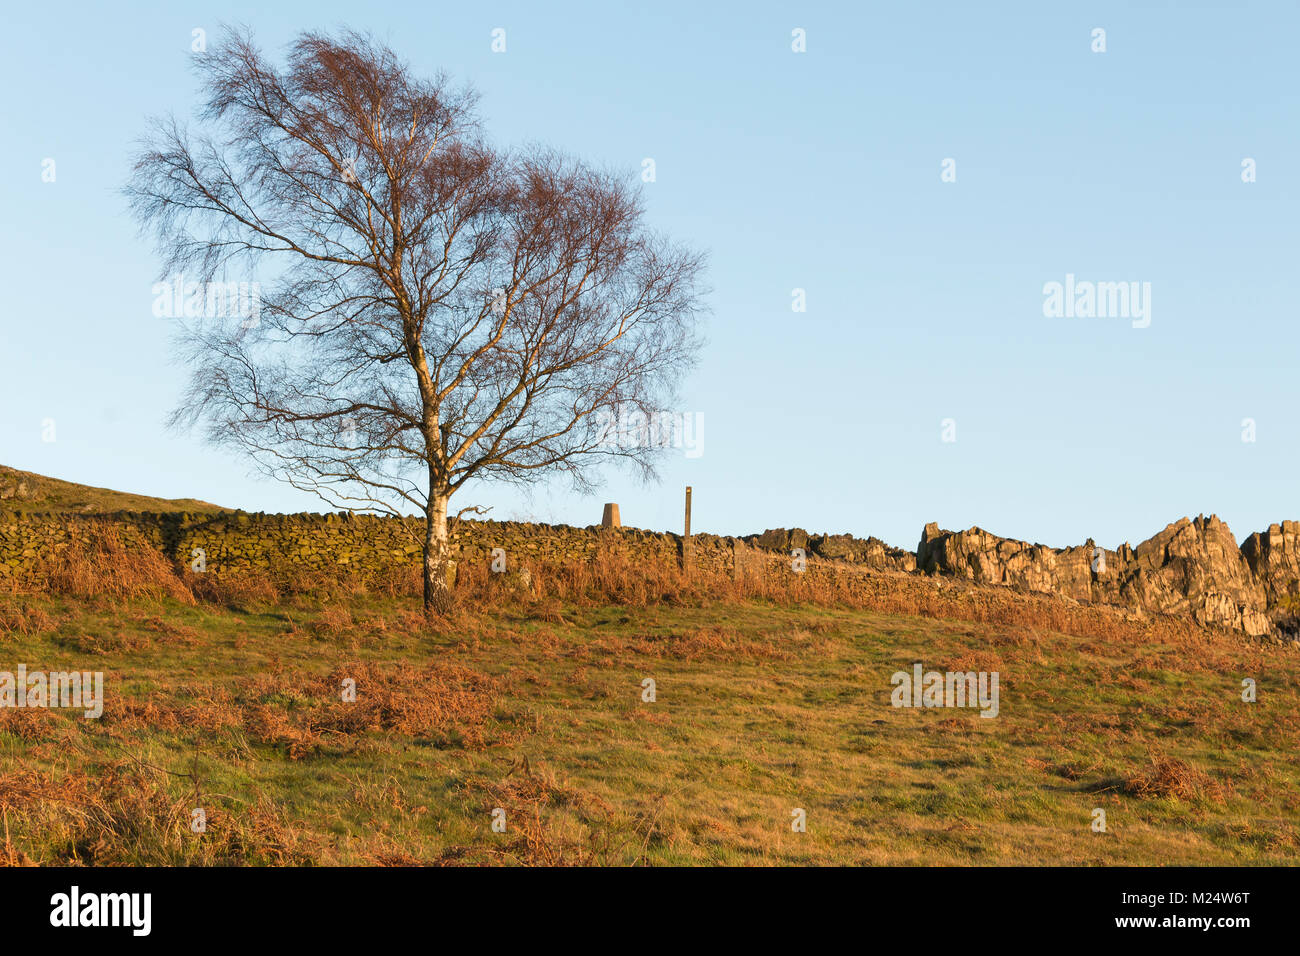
<point>760,710</point>
<point>25,492</point>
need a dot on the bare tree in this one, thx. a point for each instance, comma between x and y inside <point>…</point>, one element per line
<point>434,310</point>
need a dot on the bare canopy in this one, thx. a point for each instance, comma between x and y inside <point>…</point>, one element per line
<point>432,309</point>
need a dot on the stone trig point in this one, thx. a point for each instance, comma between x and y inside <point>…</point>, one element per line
<point>610,518</point>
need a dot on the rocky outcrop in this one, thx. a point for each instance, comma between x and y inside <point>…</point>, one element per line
<point>1274,559</point>
<point>1192,568</point>
<point>985,558</point>
<point>869,552</point>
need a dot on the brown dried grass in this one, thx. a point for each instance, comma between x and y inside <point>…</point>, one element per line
<point>443,703</point>
<point>101,563</point>
<point>23,616</point>
<point>127,812</point>
<point>1167,777</point>
<point>551,824</point>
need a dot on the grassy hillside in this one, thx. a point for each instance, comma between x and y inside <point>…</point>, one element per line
<point>27,492</point>
<point>536,709</point>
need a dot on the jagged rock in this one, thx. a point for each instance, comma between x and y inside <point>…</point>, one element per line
<point>1274,559</point>
<point>780,539</point>
<point>985,558</point>
<point>877,554</point>
<point>1192,568</point>
<point>838,547</point>
<point>871,552</point>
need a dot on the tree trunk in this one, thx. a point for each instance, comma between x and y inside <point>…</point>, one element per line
<point>437,557</point>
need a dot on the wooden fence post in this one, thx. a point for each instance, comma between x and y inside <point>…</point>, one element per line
<point>686,534</point>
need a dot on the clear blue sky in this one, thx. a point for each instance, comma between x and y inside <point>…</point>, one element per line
<point>818,171</point>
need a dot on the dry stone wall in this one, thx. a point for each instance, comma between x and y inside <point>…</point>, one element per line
<point>1193,568</point>
<point>373,547</point>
